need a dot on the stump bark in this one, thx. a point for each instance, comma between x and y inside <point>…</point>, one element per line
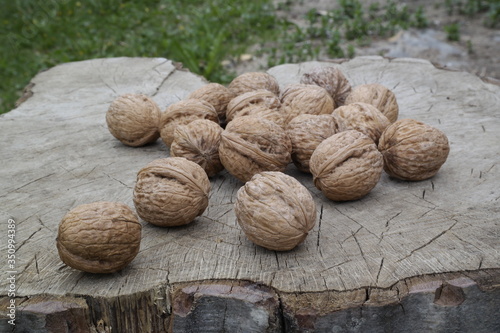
<point>410,256</point>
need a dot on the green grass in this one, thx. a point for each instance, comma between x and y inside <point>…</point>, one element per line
<point>471,8</point>
<point>452,32</point>
<point>335,33</point>
<point>38,34</point>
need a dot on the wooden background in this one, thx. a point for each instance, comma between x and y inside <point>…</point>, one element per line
<point>57,153</point>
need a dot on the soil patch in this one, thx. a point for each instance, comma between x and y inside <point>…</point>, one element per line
<point>477,51</point>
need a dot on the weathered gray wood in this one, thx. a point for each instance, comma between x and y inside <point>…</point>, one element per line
<point>225,306</point>
<point>57,153</point>
<point>45,314</point>
<point>450,302</point>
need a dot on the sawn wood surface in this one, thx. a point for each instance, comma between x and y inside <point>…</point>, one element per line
<point>57,153</point>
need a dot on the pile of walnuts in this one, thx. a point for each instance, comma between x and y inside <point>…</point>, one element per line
<point>343,136</point>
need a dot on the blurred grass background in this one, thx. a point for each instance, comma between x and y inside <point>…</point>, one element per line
<point>40,34</point>
<point>203,35</point>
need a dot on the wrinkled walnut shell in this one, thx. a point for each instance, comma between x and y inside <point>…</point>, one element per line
<point>346,166</point>
<point>99,237</point>
<point>216,95</point>
<point>413,150</point>
<point>171,191</point>
<point>378,96</point>
<point>198,142</point>
<point>250,145</point>
<point>261,102</point>
<point>362,117</point>
<point>133,119</point>
<point>306,132</point>
<point>305,99</point>
<point>330,78</point>
<point>275,211</point>
<point>182,113</point>
<point>253,81</point>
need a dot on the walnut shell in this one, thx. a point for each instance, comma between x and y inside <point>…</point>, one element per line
<point>413,150</point>
<point>330,78</point>
<point>378,96</point>
<point>198,142</point>
<point>346,166</point>
<point>216,95</point>
<point>275,211</point>
<point>99,237</point>
<point>362,117</point>
<point>259,102</point>
<point>133,119</point>
<point>171,191</point>
<point>250,145</point>
<point>305,99</point>
<point>182,113</point>
<point>253,81</point>
<point>306,132</point>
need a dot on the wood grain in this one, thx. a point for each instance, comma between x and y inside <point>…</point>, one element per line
<point>57,153</point>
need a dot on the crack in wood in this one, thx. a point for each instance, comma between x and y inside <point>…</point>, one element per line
<point>361,251</point>
<point>392,218</point>
<point>467,242</point>
<point>31,182</point>
<point>119,181</point>
<point>334,266</point>
<point>480,263</point>
<point>428,243</point>
<point>28,239</point>
<point>123,284</point>
<point>234,227</point>
<point>29,263</point>
<point>36,265</point>
<point>379,270</point>
<point>41,222</point>
<point>108,86</point>
<point>81,276</point>
<point>350,236</point>
<point>422,198</point>
<point>319,225</point>
<point>281,313</point>
<point>164,79</point>
<point>358,223</point>
<point>427,212</point>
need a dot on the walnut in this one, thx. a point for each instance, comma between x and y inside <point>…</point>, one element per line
<point>275,211</point>
<point>378,96</point>
<point>259,102</point>
<point>306,132</point>
<point>217,95</point>
<point>99,237</point>
<point>413,150</point>
<point>330,78</point>
<point>182,113</point>
<point>362,117</point>
<point>252,81</point>
<point>199,141</point>
<point>133,119</point>
<point>305,98</point>
<point>171,191</point>
<point>346,166</point>
<point>250,145</point>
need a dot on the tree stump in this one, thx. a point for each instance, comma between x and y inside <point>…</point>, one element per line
<point>410,256</point>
